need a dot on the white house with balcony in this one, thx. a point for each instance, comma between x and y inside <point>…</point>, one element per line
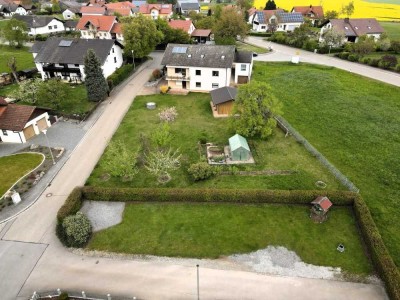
<point>41,24</point>
<point>203,68</point>
<point>64,58</point>
<point>100,27</point>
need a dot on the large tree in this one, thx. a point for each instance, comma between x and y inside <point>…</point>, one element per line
<point>331,14</point>
<point>254,110</point>
<point>15,33</point>
<point>52,91</point>
<point>230,26</point>
<point>333,37</point>
<point>348,9</point>
<point>140,35</point>
<point>96,84</point>
<point>28,90</point>
<point>270,5</point>
<point>172,35</point>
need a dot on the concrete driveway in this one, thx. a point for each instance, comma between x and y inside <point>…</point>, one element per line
<point>285,53</point>
<point>59,268</point>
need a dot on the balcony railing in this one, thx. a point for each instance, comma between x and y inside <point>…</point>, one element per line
<point>178,77</point>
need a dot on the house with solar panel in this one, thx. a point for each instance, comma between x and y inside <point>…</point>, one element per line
<point>184,7</point>
<point>203,68</point>
<point>63,58</point>
<point>276,20</point>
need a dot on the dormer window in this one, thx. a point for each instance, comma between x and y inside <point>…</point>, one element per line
<point>222,57</point>
<point>355,27</point>
<point>369,27</point>
<point>189,55</point>
<point>202,56</point>
<point>347,28</point>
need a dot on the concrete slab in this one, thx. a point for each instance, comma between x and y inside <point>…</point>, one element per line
<point>17,262</point>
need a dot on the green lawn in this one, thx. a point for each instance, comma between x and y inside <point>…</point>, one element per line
<point>23,57</point>
<point>8,90</point>
<point>354,121</point>
<point>380,54</point>
<point>214,230</point>
<point>195,121</point>
<point>251,48</point>
<point>14,167</point>
<point>392,29</point>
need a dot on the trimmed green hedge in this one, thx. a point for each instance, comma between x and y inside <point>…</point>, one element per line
<point>213,195</point>
<point>263,34</point>
<point>381,258</point>
<point>119,75</point>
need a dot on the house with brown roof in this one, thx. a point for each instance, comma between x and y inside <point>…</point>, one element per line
<point>93,10</point>
<point>121,8</point>
<point>185,25</point>
<point>276,20</point>
<point>202,36</point>
<point>156,11</point>
<point>313,13</point>
<point>353,28</point>
<point>100,27</point>
<point>19,123</point>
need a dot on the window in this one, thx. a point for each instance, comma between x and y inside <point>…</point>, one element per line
<point>115,60</point>
<point>55,26</point>
<point>198,84</point>
<point>262,27</point>
<point>243,67</point>
<point>215,85</point>
<point>5,132</point>
<point>178,70</point>
<point>215,73</point>
<point>112,50</point>
<point>76,65</point>
<point>198,72</point>
<point>50,27</point>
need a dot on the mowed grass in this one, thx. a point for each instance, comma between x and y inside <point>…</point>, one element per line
<point>195,121</point>
<point>392,29</point>
<point>23,57</point>
<point>354,121</point>
<point>214,230</point>
<point>247,47</point>
<point>14,167</point>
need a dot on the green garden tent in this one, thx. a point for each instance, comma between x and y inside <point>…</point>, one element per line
<point>240,150</point>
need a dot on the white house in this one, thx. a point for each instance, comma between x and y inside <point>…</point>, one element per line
<point>276,20</point>
<point>353,28</point>
<point>19,123</point>
<point>99,27</point>
<point>64,58</point>
<point>71,13</point>
<point>205,67</point>
<point>41,24</point>
<point>156,11</point>
<point>184,7</point>
<point>262,19</point>
<point>10,9</point>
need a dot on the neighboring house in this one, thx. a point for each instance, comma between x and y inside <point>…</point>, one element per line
<point>71,13</point>
<point>96,3</point>
<point>122,8</point>
<point>156,11</point>
<point>70,25</point>
<point>41,24</point>
<point>8,10</point>
<point>99,27</point>
<point>202,36</point>
<point>223,99</point>
<point>276,20</point>
<point>184,7</point>
<point>251,12</point>
<point>19,123</point>
<point>353,28</point>
<point>202,67</point>
<point>185,25</point>
<point>313,13</point>
<point>64,58</point>
<point>138,3</point>
<point>243,66</point>
<point>93,10</point>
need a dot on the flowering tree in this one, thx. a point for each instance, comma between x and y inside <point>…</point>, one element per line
<point>28,90</point>
<point>160,163</point>
<point>168,114</point>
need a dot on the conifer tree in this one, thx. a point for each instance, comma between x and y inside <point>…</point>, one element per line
<point>96,84</point>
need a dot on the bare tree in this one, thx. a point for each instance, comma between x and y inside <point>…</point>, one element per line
<point>12,65</point>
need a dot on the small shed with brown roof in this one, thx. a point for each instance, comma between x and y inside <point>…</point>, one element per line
<point>202,35</point>
<point>19,123</point>
<point>223,99</point>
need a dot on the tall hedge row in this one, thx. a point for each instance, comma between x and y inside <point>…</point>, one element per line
<point>381,258</point>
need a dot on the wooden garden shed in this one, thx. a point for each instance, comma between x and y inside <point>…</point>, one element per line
<point>223,99</point>
<point>239,148</point>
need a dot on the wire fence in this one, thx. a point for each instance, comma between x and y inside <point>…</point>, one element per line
<point>288,129</point>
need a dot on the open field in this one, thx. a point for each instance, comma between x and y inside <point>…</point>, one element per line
<point>214,230</point>
<point>380,9</point>
<point>247,47</point>
<point>14,167</point>
<point>392,29</point>
<point>23,57</point>
<point>277,153</point>
<point>353,121</point>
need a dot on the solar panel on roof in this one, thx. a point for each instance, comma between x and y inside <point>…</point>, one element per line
<point>179,50</point>
<point>261,19</point>
<point>65,43</point>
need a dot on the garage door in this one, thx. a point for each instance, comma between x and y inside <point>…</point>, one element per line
<point>29,132</point>
<point>42,124</point>
<point>242,79</point>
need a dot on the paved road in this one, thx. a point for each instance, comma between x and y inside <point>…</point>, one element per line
<point>285,53</point>
<point>58,268</point>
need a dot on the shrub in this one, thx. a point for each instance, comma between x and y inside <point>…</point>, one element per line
<point>395,46</point>
<point>164,89</point>
<point>77,229</point>
<point>353,57</point>
<point>119,75</point>
<point>201,171</point>
<point>168,114</point>
<point>63,296</point>
<point>397,68</point>
<point>388,61</point>
<point>374,62</point>
<point>71,206</point>
<point>310,45</point>
<point>365,60</point>
<point>344,55</point>
<point>156,73</point>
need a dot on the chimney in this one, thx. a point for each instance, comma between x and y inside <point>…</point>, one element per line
<point>346,20</point>
<point>310,5</point>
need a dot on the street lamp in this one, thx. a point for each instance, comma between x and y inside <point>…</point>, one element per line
<point>48,145</point>
<point>198,286</point>
<point>133,60</point>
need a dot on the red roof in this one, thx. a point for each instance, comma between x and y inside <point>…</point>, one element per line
<point>317,11</point>
<point>98,10</point>
<point>102,23</point>
<point>252,11</point>
<point>117,5</point>
<point>117,28</point>
<point>323,202</point>
<point>201,32</point>
<point>14,117</point>
<point>164,9</point>
<point>96,2</point>
<point>181,24</point>
<point>121,11</point>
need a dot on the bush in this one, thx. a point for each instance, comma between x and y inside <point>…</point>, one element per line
<point>310,45</point>
<point>201,171</point>
<point>388,61</point>
<point>119,75</point>
<point>344,55</point>
<point>365,60</point>
<point>77,229</point>
<point>156,73</point>
<point>279,37</point>
<point>164,89</point>
<point>71,206</point>
<point>263,34</point>
<point>353,57</point>
<point>374,62</point>
<point>395,46</point>
<point>397,68</point>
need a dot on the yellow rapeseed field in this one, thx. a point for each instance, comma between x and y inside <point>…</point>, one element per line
<point>380,9</point>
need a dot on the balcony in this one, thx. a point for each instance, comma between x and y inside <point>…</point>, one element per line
<point>64,69</point>
<point>178,76</point>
